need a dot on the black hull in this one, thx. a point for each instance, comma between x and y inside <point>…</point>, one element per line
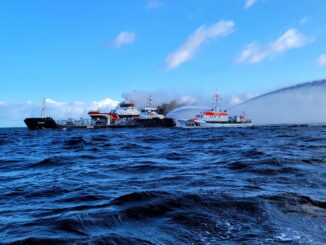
<point>41,123</point>
<point>156,122</point>
<point>49,123</point>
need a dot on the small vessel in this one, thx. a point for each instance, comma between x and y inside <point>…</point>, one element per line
<point>215,118</point>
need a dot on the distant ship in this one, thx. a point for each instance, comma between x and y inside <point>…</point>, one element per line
<point>215,118</point>
<point>124,115</point>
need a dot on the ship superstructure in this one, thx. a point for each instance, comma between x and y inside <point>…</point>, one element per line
<point>150,111</point>
<point>126,109</point>
<point>149,117</point>
<point>125,114</point>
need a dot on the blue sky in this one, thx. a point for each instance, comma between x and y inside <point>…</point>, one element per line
<point>83,50</point>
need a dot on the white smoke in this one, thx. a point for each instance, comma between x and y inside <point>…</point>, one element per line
<point>185,112</point>
<point>140,98</point>
<point>301,104</point>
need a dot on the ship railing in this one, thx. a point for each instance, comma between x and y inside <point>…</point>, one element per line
<point>76,122</point>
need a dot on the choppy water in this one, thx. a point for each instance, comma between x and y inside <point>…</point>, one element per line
<point>260,185</point>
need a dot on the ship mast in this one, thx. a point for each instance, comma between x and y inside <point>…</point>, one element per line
<point>43,112</point>
<point>149,101</point>
<point>217,98</point>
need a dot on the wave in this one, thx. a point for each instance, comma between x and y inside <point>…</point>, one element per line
<point>55,161</point>
<point>261,185</point>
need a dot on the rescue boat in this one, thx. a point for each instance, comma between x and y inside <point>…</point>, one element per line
<point>215,118</point>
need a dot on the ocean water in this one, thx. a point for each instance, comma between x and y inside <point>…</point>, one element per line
<point>259,185</point>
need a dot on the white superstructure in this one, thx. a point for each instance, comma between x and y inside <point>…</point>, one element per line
<point>215,118</point>
<point>126,109</point>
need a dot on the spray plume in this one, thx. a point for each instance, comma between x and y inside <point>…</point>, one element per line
<point>304,103</point>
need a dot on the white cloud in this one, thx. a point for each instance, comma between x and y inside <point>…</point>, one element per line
<point>78,109</point>
<point>235,100</point>
<point>303,21</point>
<point>322,60</point>
<point>254,53</point>
<point>124,38</point>
<point>249,3</point>
<point>238,99</point>
<point>53,102</point>
<point>154,4</point>
<point>106,103</point>
<point>195,40</point>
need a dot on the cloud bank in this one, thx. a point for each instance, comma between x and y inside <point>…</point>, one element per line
<point>203,34</point>
<point>255,53</point>
<point>124,38</point>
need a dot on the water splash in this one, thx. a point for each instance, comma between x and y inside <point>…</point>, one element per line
<point>185,112</point>
<point>303,103</point>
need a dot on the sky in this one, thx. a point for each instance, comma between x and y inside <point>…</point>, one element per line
<point>83,52</point>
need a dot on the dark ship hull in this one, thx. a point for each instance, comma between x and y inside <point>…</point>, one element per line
<point>41,123</point>
<point>50,123</point>
<point>156,122</point>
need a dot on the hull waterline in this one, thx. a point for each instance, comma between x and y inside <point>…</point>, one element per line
<point>203,124</point>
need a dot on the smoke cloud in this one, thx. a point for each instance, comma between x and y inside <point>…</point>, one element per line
<point>164,100</point>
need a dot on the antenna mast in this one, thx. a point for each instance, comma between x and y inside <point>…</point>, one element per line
<point>43,113</point>
<point>217,98</point>
<point>149,101</point>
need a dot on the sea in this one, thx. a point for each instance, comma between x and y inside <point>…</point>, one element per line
<point>257,185</point>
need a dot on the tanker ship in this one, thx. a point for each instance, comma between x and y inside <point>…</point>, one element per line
<point>124,115</point>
